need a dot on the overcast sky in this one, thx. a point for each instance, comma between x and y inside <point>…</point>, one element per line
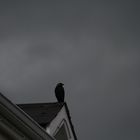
<point>93,47</point>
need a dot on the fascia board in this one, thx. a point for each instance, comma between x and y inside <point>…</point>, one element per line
<point>70,122</point>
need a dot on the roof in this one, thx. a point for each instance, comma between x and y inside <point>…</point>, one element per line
<point>17,123</point>
<point>42,113</point>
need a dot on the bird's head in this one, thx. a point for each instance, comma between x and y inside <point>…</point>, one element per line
<point>60,84</point>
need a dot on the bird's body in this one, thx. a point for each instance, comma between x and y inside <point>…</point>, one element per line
<point>59,92</point>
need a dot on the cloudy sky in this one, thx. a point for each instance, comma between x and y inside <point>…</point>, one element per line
<point>93,47</point>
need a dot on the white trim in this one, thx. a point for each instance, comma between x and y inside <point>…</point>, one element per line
<point>63,122</point>
<point>21,120</point>
<point>58,121</point>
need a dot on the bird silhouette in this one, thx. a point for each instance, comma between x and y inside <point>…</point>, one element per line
<point>59,92</point>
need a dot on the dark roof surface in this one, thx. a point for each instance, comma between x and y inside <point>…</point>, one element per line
<point>42,113</point>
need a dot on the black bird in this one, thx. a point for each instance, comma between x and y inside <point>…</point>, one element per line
<point>59,92</point>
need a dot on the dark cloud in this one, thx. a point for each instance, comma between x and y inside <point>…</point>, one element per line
<point>91,46</point>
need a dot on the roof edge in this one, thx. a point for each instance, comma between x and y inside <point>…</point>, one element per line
<point>16,113</point>
<point>69,117</point>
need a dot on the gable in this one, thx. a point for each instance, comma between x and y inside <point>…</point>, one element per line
<point>60,127</point>
<point>54,117</point>
<point>16,124</point>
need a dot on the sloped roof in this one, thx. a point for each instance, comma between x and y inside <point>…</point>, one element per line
<point>16,124</point>
<point>42,113</point>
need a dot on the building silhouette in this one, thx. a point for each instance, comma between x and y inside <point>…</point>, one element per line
<point>36,121</point>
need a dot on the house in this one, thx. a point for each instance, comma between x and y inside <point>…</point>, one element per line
<point>36,121</point>
<point>15,124</point>
<point>53,117</point>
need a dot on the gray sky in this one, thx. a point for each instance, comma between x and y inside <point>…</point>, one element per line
<point>93,47</point>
